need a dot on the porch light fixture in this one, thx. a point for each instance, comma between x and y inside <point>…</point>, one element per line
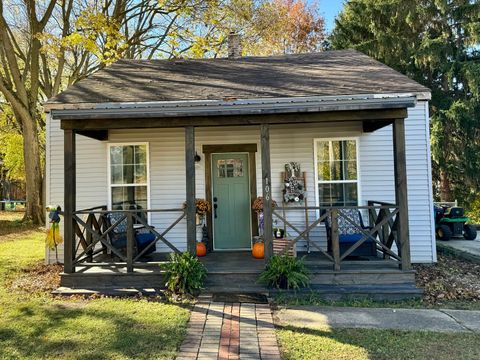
<point>198,158</point>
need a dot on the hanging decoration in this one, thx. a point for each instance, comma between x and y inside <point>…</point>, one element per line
<point>53,234</point>
<point>294,191</point>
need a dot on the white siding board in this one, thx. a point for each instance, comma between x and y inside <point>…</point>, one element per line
<point>288,143</point>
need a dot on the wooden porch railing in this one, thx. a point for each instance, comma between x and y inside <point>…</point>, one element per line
<point>94,232</point>
<point>382,229</point>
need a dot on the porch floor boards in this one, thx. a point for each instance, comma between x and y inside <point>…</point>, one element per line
<point>243,262</point>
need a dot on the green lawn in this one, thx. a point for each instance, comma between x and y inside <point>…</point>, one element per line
<point>36,325</point>
<point>359,344</point>
<point>316,299</point>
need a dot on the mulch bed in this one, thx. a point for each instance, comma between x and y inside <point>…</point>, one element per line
<point>450,279</point>
<point>39,278</point>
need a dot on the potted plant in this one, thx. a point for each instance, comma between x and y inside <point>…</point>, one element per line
<point>285,272</point>
<point>185,274</point>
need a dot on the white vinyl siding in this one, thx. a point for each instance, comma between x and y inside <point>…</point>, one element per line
<point>288,143</point>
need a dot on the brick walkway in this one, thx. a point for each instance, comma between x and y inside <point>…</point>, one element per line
<point>222,331</point>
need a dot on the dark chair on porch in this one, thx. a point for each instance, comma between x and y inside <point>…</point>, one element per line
<point>348,234</point>
<point>118,235</point>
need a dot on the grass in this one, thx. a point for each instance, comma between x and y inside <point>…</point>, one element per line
<point>11,224</point>
<point>358,344</point>
<point>316,299</point>
<point>36,325</point>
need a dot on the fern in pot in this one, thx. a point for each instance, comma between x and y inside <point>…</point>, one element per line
<point>185,274</point>
<point>285,272</point>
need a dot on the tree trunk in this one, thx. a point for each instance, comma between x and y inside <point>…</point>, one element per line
<point>33,173</point>
<point>445,188</point>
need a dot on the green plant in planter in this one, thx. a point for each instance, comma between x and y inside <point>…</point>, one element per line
<point>285,272</point>
<point>185,274</point>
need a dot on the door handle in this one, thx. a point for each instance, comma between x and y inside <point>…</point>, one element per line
<point>215,206</point>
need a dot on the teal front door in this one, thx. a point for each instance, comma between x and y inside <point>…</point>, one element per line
<point>231,202</point>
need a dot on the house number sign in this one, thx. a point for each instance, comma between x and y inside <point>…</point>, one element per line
<point>267,189</point>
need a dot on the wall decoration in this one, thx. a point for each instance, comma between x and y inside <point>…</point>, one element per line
<point>294,190</point>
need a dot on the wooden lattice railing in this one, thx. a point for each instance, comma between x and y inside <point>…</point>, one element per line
<point>94,233</point>
<point>382,229</point>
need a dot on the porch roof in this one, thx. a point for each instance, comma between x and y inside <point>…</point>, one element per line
<point>325,74</point>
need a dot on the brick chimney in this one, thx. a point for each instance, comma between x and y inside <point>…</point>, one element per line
<point>234,46</point>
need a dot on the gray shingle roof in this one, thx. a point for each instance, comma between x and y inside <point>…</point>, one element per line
<point>343,72</point>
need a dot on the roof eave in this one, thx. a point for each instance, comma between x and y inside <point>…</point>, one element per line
<point>234,107</point>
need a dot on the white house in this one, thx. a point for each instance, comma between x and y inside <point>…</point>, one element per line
<point>149,135</point>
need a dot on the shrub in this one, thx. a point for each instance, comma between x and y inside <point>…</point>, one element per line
<point>474,211</point>
<point>185,274</point>
<point>285,272</point>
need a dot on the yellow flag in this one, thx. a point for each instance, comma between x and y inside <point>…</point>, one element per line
<point>53,237</point>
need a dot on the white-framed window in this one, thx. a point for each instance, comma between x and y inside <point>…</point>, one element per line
<point>336,169</point>
<point>128,174</point>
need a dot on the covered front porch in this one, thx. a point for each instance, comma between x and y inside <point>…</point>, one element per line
<point>88,232</point>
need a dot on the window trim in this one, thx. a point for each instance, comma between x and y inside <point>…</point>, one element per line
<point>315,163</point>
<point>109,173</point>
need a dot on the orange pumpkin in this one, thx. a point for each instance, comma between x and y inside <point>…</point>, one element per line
<point>258,250</point>
<point>201,249</point>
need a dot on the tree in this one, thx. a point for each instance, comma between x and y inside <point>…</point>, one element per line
<point>290,26</point>
<point>267,27</point>
<point>46,45</point>
<point>20,86</point>
<point>437,43</point>
<point>11,146</point>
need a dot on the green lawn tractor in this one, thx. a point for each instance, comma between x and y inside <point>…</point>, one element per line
<point>451,222</point>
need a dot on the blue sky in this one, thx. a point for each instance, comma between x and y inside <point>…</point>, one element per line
<point>329,9</point>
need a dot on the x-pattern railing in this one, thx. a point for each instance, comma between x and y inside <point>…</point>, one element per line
<point>305,233</point>
<point>94,233</point>
<point>371,234</point>
<point>382,229</point>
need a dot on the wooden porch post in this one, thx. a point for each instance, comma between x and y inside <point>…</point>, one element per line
<point>267,189</point>
<point>190,188</point>
<point>69,199</point>
<point>335,241</point>
<point>400,165</point>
